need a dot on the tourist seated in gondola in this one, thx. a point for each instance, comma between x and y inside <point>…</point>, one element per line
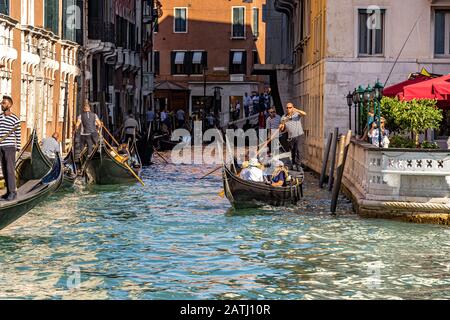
<point>280,175</point>
<point>50,146</point>
<point>122,153</point>
<point>252,171</point>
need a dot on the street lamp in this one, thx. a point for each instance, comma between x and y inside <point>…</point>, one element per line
<point>350,103</point>
<point>359,100</point>
<point>368,98</point>
<point>378,92</point>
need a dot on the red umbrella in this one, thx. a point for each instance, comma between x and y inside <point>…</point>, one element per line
<point>437,88</point>
<point>395,89</point>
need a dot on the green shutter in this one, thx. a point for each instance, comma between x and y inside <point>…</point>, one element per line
<point>52,15</point>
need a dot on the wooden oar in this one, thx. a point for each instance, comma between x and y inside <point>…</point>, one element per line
<point>210,173</point>
<point>159,154</point>
<point>109,133</point>
<point>126,165</point>
<point>262,146</point>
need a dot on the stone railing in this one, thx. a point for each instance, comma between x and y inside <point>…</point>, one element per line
<point>398,174</point>
<point>383,182</point>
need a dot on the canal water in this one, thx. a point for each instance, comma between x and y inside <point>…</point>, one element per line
<point>176,238</point>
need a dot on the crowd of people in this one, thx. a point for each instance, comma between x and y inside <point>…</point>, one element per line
<point>254,104</point>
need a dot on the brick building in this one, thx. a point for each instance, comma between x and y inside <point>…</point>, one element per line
<point>39,49</point>
<point>205,52</point>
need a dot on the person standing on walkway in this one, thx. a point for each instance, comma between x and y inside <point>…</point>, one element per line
<point>89,122</point>
<point>247,102</point>
<point>10,136</point>
<point>291,123</point>
<point>181,118</point>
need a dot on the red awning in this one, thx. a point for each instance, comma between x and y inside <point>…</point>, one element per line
<point>395,89</point>
<point>437,88</point>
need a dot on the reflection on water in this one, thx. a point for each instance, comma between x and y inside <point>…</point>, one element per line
<point>177,239</point>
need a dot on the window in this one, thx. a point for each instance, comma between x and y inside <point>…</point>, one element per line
<point>4,7</point>
<point>255,23</point>
<point>70,16</point>
<point>238,22</point>
<point>199,61</point>
<point>179,62</point>
<point>255,57</point>
<point>180,20</point>
<point>156,62</point>
<point>27,17</point>
<point>371,32</point>
<point>238,62</point>
<point>51,15</point>
<point>62,104</point>
<point>442,33</point>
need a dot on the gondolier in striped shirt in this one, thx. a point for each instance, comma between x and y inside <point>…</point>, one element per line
<point>9,144</point>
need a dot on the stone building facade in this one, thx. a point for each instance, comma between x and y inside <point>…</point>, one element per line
<point>334,46</point>
<point>38,51</point>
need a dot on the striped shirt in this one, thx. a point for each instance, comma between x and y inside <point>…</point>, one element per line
<point>7,124</point>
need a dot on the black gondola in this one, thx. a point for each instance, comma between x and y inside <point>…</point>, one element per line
<point>33,164</point>
<point>102,167</point>
<point>31,193</point>
<point>70,170</point>
<point>247,194</point>
<point>165,144</point>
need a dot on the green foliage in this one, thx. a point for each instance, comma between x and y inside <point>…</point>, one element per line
<point>401,142</point>
<point>415,116</point>
<point>429,145</point>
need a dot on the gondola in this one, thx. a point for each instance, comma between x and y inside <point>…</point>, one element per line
<point>247,194</point>
<point>103,168</point>
<point>31,193</point>
<point>70,170</point>
<point>33,163</point>
<point>165,144</point>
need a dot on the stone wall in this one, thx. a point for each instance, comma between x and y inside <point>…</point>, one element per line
<point>398,183</point>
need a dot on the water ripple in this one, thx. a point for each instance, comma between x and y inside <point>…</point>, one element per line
<point>176,238</point>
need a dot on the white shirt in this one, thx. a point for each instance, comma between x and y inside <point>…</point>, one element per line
<point>252,174</point>
<point>163,116</point>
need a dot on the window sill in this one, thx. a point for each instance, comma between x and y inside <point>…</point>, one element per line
<point>180,32</point>
<point>363,56</point>
<point>238,38</point>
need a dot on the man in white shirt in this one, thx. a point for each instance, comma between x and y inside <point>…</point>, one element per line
<point>253,172</point>
<point>50,146</point>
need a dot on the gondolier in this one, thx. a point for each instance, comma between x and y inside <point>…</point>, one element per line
<point>291,123</point>
<point>9,144</point>
<point>89,122</point>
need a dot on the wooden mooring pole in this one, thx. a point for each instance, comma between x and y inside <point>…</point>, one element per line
<point>326,155</point>
<point>344,143</point>
<point>333,158</point>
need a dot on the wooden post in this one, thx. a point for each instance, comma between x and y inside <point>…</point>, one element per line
<point>333,158</point>
<point>344,143</point>
<point>325,160</point>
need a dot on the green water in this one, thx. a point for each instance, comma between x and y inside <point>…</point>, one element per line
<point>177,239</point>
